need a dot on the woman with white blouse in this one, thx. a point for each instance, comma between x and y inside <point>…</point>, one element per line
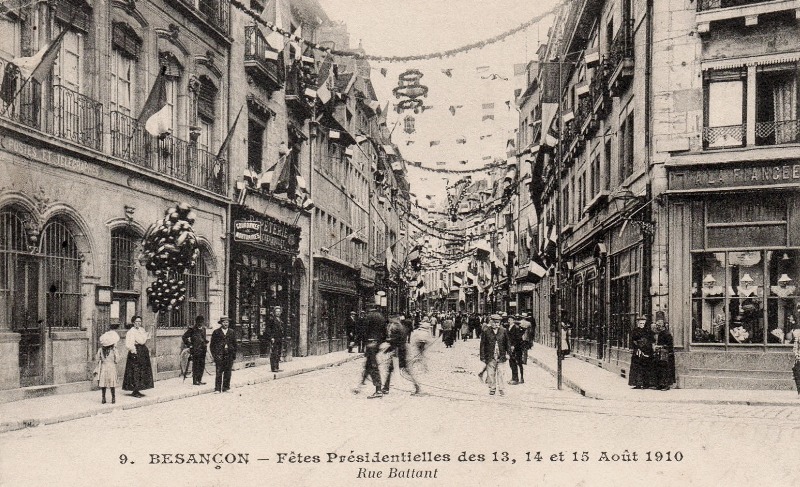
<point>138,371</point>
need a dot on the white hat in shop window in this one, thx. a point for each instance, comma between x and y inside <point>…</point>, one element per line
<point>783,289</point>
<point>746,288</point>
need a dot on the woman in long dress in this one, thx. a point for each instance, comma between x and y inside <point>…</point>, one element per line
<point>641,355</point>
<point>138,370</point>
<point>663,358</point>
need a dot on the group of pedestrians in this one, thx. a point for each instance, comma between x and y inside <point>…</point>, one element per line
<point>505,342</point>
<point>652,356</point>
<point>138,375</point>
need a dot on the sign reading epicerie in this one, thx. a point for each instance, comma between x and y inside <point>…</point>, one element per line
<point>734,176</point>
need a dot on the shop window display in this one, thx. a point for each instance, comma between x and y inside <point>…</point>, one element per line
<point>744,297</point>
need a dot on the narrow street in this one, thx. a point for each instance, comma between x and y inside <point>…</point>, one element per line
<point>281,426</point>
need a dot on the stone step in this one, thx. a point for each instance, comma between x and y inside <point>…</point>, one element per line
<point>729,382</point>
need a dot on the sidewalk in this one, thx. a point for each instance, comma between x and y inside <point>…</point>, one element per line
<point>66,407</point>
<point>598,383</point>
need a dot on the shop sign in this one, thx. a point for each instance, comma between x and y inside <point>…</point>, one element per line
<point>49,157</point>
<point>735,176</point>
<point>336,278</point>
<point>246,231</point>
<point>275,235</point>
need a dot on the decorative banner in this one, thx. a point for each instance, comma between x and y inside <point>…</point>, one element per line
<point>487,167</point>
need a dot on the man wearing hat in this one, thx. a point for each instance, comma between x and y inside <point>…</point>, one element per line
<point>494,348</point>
<point>276,332</point>
<point>375,332</point>
<point>195,340</point>
<point>515,332</point>
<point>223,349</point>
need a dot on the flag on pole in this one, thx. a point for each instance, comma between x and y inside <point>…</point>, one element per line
<point>38,66</point>
<point>156,114</point>
<point>266,177</point>
<point>225,143</point>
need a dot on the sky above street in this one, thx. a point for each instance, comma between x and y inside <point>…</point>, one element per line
<point>395,27</point>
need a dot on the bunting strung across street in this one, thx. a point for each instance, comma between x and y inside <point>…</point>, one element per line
<point>487,167</point>
<point>256,16</point>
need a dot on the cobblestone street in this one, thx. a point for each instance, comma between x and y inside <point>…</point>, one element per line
<point>316,414</point>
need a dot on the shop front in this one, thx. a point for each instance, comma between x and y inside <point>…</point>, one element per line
<point>263,276</point>
<point>337,294</point>
<point>734,249</point>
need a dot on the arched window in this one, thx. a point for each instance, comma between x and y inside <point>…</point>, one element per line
<point>197,302</point>
<point>62,276</point>
<point>15,304</point>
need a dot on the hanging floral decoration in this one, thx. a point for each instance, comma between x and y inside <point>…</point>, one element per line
<point>170,248</point>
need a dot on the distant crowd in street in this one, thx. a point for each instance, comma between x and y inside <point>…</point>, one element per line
<point>503,338</point>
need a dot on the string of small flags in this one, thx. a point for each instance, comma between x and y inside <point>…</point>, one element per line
<point>415,57</point>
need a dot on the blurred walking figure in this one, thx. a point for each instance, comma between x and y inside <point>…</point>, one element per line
<point>374,328</point>
<point>421,339</point>
<point>493,351</point>
<point>107,359</point>
<point>395,346</point>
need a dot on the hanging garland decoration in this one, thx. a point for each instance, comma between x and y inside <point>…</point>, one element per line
<point>170,248</point>
<point>495,207</point>
<point>416,57</point>
<point>487,167</point>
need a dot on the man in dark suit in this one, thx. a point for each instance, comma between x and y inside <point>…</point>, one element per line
<point>374,333</point>
<point>515,333</point>
<point>195,339</point>
<point>276,332</point>
<point>493,351</point>
<point>223,349</point>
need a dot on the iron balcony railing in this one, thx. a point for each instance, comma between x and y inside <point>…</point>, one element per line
<point>215,12</point>
<point>622,46</point>
<point>77,118</point>
<point>703,5</point>
<point>67,115</point>
<point>166,155</point>
<point>255,54</point>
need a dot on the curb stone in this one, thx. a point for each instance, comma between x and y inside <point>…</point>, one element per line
<point>35,422</point>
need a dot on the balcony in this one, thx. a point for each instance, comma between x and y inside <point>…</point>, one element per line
<point>598,89</point>
<point>67,114</point>
<point>715,10</point>
<point>297,82</point>
<point>209,14</point>
<point>266,72</point>
<point>585,119</point>
<point>166,155</point>
<point>778,132</point>
<point>620,59</point>
<point>724,137</point>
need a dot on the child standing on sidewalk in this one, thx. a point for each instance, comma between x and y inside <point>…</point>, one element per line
<point>107,359</point>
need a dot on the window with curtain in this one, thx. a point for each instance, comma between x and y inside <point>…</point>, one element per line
<point>777,104</point>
